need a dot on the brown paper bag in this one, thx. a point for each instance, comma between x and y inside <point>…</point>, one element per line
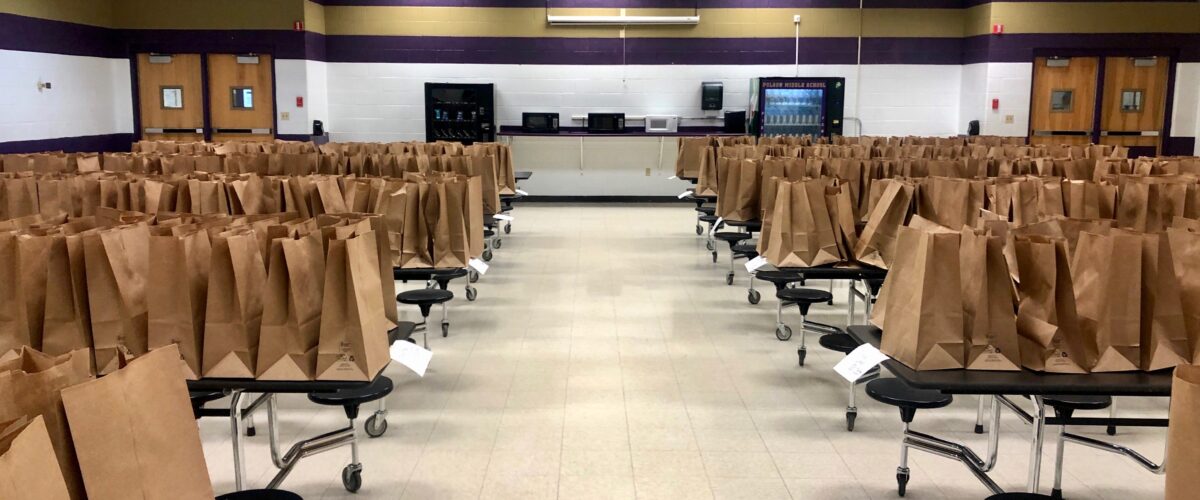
<point>291,324</point>
<point>876,245</point>
<point>989,320</point>
<point>67,325</point>
<point>1051,339</point>
<point>1106,273</point>
<point>706,180</point>
<point>692,152</point>
<point>176,293</point>
<point>416,236</point>
<point>801,228</point>
<point>32,388</point>
<point>1183,435</point>
<point>1185,252</point>
<point>28,466</point>
<point>135,433</point>
<point>23,295</point>
<point>116,262</point>
<point>1164,340</point>
<point>353,339</point>
<point>738,189</point>
<point>234,307</point>
<point>923,312</point>
<point>450,240</point>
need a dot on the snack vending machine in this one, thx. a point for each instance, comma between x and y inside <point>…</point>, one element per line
<point>462,112</point>
<point>797,106</point>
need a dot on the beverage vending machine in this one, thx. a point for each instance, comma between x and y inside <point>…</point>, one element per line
<point>797,106</point>
<point>462,112</point>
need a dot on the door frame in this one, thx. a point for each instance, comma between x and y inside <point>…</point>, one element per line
<point>1172,56</point>
<point>134,50</point>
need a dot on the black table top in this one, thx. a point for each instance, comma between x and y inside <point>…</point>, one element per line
<point>270,386</point>
<point>522,175</point>
<point>838,273</point>
<point>1024,382</point>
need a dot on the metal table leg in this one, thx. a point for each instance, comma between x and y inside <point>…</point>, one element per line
<point>239,447</point>
<point>1035,448</point>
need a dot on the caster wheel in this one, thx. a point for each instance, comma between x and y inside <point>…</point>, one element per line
<point>979,428</point>
<point>352,477</point>
<point>901,482</point>
<point>709,246</point>
<point>699,230</point>
<point>830,302</point>
<point>1111,430</point>
<point>498,243</point>
<point>251,431</point>
<point>802,353</point>
<point>850,416</point>
<point>729,279</point>
<point>1056,494</point>
<point>473,277</point>
<point>445,329</point>
<point>783,332</point>
<point>472,294</point>
<point>376,426</point>
<point>508,228</point>
<point>714,255</point>
<point>753,296</point>
<point>487,255</point>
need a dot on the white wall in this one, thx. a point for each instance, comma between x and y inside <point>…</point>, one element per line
<point>88,96</point>
<point>1185,116</point>
<point>384,102</point>
<point>1009,82</point>
<point>300,78</point>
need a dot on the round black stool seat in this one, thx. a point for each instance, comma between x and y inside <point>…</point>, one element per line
<point>891,391</point>
<point>707,210</point>
<point>839,342</point>
<point>449,274</point>
<point>804,295</point>
<point>746,248</point>
<point>350,399</point>
<point>201,397</point>
<point>424,296</point>
<point>731,237</point>
<point>488,233</point>
<point>1078,402</point>
<point>708,218</point>
<point>260,495</point>
<point>1020,495</point>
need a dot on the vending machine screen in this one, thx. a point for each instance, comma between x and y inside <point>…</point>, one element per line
<point>793,111</point>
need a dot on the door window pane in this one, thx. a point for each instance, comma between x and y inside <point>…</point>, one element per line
<point>172,97</point>
<point>1061,100</point>
<point>1131,101</point>
<point>242,98</point>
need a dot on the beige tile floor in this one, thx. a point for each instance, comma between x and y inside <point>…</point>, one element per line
<point>606,358</point>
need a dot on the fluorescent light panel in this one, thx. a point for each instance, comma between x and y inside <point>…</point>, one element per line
<point>621,20</point>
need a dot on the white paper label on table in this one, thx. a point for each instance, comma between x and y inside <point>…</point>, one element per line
<point>861,360</point>
<point>683,194</point>
<point>478,265</point>
<point>522,193</point>
<point>412,356</point>
<point>502,217</point>
<point>755,263</point>
<point>672,177</point>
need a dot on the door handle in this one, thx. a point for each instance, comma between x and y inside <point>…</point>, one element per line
<point>1129,133</point>
<point>1046,133</point>
<point>161,130</point>
<point>241,130</point>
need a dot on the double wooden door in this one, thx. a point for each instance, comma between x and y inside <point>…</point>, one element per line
<point>1129,93</point>
<point>191,97</point>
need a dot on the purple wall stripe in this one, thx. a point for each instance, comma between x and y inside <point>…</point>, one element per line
<point>1184,47</point>
<point>55,37</point>
<point>101,143</point>
<point>847,4</point>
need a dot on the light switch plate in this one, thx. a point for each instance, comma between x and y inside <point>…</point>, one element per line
<point>284,115</point>
<point>1008,118</point>
<point>647,172</point>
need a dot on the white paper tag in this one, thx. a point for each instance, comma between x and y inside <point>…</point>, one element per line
<point>683,194</point>
<point>861,360</point>
<point>672,177</point>
<point>522,192</point>
<point>478,265</point>
<point>412,356</point>
<point>502,217</point>
<point>755,263</point>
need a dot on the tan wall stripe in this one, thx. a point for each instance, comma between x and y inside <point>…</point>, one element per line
<point>93,12</point>
<point>314,17</point>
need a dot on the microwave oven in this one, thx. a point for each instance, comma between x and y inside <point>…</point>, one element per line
<point>606,123</point>
<point>658,123</point>
<point>541,123</point>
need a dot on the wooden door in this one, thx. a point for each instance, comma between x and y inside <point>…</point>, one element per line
<point>241,98</point>
<point>170,97</point>
<point>1064,100</point>
<point>1134,105</point>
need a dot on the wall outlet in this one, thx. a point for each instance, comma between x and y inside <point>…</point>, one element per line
<point>647,172</point>
<point>284,115</point>
<point>1008,119</point>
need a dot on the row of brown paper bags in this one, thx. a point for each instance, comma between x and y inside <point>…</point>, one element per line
<point>1051,297</point>
<point>130,435</point>
<point>273,297</point>
<point>281,146</point>
<point>438,217</point>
